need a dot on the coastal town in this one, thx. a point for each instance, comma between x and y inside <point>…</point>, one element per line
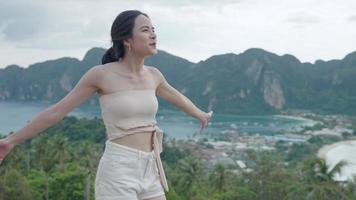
<point>231,147</point>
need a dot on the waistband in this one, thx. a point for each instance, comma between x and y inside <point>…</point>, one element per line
<point>157,145</point>
<point>112,149</point>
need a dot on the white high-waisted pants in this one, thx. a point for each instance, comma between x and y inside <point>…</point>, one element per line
<point>127,173</point>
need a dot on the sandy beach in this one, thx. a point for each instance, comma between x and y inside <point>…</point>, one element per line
<point>307,122</point>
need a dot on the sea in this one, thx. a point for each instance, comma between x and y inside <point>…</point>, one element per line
<point>175,123</point>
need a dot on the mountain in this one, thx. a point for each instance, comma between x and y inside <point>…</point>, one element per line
<point>253,82</point>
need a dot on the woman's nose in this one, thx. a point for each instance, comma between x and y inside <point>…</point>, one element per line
<point>153,37</point>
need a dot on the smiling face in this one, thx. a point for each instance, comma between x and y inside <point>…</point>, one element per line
<point>143,41</point>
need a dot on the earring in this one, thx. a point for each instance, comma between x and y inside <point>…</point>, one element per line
<point>129,48</point>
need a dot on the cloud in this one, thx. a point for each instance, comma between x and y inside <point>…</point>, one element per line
<point>21,20</point>
<point>303,18</point>
<point>51,24</point>
<point>352,18</point>
<point>73,24</point>
<point>193,29</point>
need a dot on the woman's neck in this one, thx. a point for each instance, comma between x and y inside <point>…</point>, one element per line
<point>133,64</point>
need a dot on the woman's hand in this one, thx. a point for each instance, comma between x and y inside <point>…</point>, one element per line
<point>5,148</point>
<point>204,119</point>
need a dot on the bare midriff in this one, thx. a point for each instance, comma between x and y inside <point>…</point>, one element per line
<point>141,141</point>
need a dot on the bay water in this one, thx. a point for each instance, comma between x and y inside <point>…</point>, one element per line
<point>176,124</point>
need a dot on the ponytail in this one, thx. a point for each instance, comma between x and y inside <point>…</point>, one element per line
<point>121,29</point>
<point>109,56</point>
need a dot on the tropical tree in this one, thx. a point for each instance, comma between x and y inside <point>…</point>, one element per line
<point>14,186</point>
<point>269,178</point>
<point>189,173</point>
<point>88,155</point>
<point>59,151</point>
<point>68,184</point>
<point>42,158</point>
<point>350,187</point>
<point>218,177</point>
<point>320,180</point>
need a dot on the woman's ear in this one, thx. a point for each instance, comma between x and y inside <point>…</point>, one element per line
<point>127,42</point>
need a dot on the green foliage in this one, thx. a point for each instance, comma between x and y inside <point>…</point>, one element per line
<point>315,127</point>
<point>299,151</point>
<point>171,155</point>
<point>14,186</point>
<point>172,195</point>
<point>189,173</point>
<point>218,178</point>
<point>320,180</point>
<point>38,181</point>
<point>69,184</point>
<point>323,139</point>
<point>270,178</point>
<point>58,165</point>
<point>241,193</point>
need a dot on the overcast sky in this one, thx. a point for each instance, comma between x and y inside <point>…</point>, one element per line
<point>39,30</point>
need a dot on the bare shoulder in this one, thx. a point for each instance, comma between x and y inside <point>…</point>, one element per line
<point>94,75</point>
<point>97,69</point>
<point>107,66</point>
<point>87,85</point>
<point>155,72</point>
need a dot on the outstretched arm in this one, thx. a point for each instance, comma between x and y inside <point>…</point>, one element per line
<point>85,88</point>
<point>172,95</point>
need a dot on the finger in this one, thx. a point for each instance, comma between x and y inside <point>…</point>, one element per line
<point>205,123</point>
<point>201,127</point>
<point>210,113</point>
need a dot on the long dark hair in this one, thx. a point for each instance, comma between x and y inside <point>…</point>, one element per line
<point>121,29</point>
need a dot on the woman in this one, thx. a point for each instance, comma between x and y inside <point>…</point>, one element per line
<point>130,167</point>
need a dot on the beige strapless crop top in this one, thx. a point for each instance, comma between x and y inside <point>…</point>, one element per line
<point>129,111</point>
